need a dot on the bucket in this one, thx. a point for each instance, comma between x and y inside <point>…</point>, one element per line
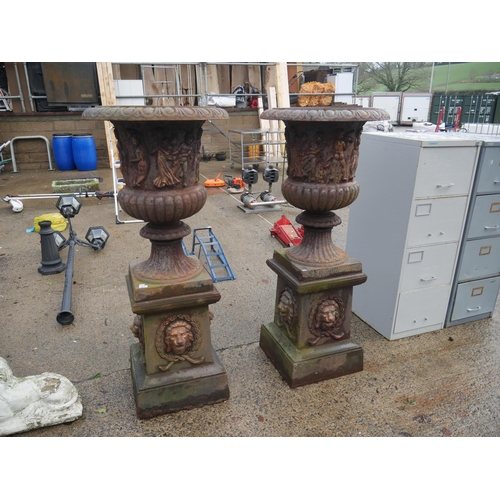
<point>84,152</point>
<point>63,151</point>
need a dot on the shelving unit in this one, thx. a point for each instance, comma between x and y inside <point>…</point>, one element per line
<point>275,149</point>
<point>252,148</point>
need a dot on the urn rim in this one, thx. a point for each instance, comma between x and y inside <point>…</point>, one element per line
<point>336,113</point>
<point>155,113</point>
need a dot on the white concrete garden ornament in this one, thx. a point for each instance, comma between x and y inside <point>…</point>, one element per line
<point>36,401</point>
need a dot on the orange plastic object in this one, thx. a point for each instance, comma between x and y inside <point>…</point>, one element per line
<point>215,182</point>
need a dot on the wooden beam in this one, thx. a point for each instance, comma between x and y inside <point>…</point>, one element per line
<point>106,85</point>
<point>188,83</point>
<point>282,90</point>
<point>108,98</point>
<point>254,77</point>
<point>224,78</point>
<point>239,75</point>
<point>212,79</point>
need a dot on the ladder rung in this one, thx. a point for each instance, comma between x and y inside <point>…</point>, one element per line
<point>206,244</point>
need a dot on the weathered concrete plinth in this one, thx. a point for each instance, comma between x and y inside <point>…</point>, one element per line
<point>174,366</point>
<point>309,340</point>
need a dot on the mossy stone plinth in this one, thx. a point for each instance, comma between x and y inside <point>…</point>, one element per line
<point>300,351</point>
<point>173,383</point>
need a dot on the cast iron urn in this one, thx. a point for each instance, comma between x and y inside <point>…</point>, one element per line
<point>309,339</point>
<point>174,365</point>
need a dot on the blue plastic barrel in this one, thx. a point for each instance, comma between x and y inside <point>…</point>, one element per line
<point>63,151</point>
<point>84,152</point>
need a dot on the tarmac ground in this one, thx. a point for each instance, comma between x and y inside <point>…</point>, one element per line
<point>439,384</point>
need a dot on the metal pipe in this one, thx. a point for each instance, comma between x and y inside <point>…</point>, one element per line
<point>28,85</point>
<point>65,316</point>
<point>21,97</point>
<point>45,196</point>
<point>260,203</point>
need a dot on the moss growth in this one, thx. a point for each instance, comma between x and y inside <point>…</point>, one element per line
<point>75,185</point>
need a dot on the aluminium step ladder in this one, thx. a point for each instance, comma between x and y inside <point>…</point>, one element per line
<point>215,261</point>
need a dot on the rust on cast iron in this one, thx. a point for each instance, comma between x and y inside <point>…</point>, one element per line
<point>326,319</point>
<point>322,146</point>
<point>159,160</point>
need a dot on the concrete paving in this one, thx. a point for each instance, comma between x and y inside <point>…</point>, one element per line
<point>443,383</point>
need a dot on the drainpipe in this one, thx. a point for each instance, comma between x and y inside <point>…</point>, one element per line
<point>21,98</point>
<point>29,88</point>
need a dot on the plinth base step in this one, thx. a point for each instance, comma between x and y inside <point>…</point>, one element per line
<point>170,392</point>
<point>311,364</point>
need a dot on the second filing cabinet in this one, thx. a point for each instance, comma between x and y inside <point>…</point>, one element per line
<point>477,281</point>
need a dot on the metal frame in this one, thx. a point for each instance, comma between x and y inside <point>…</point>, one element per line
<point>14,165</point>
<point>114,166</point>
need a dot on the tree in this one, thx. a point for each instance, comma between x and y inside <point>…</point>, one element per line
<point>394,76</point>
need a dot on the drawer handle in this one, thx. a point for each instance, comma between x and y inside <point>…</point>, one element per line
<point>429,279</point>
<point>474,309</point>
<point>496,182</point>
<point>491,227</point>
<point>445,185</point>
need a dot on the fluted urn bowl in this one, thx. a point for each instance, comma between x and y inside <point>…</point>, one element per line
<point>322,145</point>
<point>162,207</point>
<point>159,150</point>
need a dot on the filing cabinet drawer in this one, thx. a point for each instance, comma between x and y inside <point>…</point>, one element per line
<point>480,258</point>
<point>422,309</point>
<point>475,298</point>
<point>428,266</point>
<point>445,172</point>
<point>485,220</point>
<point>438,220</point>
<point>489,171</point>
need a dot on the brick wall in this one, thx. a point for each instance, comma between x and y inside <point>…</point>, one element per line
<point>32,154</point>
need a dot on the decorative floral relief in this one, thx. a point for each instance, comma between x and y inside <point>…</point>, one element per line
<point>314,159</point>
<point>157,157</point>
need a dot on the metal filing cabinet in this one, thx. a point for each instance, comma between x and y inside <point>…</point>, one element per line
<point>407,225</point>
<point>477,282</point>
